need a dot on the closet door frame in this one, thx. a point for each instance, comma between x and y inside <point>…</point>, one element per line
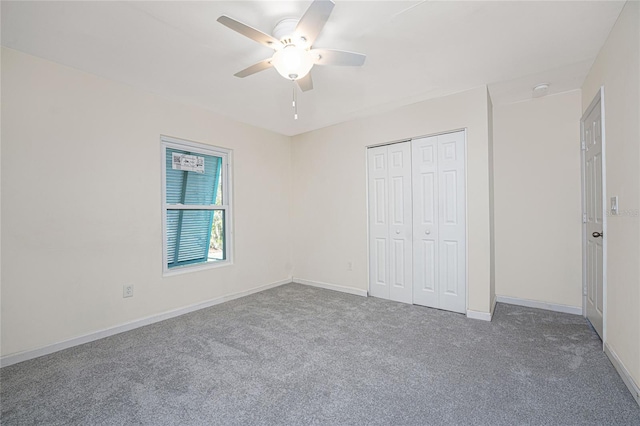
<point>466,198</point>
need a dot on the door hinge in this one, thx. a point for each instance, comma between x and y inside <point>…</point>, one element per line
<point>583,145</point>
<point>584,218</point>
<point>584,290</point>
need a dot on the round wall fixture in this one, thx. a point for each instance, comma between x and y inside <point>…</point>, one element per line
<point>540,90</point>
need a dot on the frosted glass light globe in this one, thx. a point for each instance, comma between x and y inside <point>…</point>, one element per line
<point>292,62</point>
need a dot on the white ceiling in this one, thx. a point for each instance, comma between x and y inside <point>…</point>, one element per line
<point>415,50</point>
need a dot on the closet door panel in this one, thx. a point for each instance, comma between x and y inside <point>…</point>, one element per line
<point>425,221</point>
<point>452,226</point>
<point>377,164</point>
<point>400,233</point>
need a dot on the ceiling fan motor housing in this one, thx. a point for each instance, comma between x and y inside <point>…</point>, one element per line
<point>285,29</point>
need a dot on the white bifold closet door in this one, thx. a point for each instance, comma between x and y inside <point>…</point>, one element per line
<point>439,230</point>
<point>390,239</point>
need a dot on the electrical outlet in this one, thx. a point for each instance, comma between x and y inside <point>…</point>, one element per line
<point>349,266</point>
<point>127,290</point>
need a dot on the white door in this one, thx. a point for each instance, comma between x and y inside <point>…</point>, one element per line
<point>400,233</point>
<point>439,210</point>
<point>390,272</point>
<point>593,196</point>
<point>425,221</point>
<point>378,222</point>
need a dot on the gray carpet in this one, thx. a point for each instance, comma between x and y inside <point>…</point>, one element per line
<point>299,355</point>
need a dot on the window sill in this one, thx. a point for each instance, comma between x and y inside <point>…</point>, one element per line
<point>179,270</point>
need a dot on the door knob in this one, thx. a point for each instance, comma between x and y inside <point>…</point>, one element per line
<point>597,234</point>
<point>427,232</point>
<point>397,231</point>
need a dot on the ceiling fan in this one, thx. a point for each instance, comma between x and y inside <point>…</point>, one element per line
<point>292,40</point>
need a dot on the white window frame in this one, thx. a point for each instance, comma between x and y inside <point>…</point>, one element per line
<point>227,197</point>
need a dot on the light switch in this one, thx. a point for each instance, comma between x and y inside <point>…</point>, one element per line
<point>614,206</point>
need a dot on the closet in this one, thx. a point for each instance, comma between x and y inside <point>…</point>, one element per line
<point>417,228</point>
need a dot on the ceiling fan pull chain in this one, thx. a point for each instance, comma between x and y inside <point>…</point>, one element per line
<point>295,101</point>
<point>293,92</point>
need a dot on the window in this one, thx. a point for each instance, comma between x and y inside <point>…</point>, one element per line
<point>196,205</point>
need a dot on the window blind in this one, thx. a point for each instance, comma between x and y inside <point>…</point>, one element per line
<point>189,231</point>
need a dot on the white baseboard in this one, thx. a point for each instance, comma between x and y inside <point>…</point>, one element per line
<point>100,334</point>
<point>623,372</point>
<point>484,316</point>
<point>493,304</point>
<point>335,287</point>
<point>567,309</point>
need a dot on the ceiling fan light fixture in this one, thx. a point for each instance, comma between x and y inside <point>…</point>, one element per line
<point>292,62</point>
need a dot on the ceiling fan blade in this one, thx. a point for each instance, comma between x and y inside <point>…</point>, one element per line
<point>260,66</point>
<point>338,57</point>
<point>252,33</point>
<point>305,83</point>
<point>314,19</point>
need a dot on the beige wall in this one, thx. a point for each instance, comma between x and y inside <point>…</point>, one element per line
<point>617,69</point>
<point>538,199</point>
<point>329,189</point>
<point>81,204</point>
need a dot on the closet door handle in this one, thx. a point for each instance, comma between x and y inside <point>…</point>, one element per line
<point>397,231</point>
<point>427,232</point>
